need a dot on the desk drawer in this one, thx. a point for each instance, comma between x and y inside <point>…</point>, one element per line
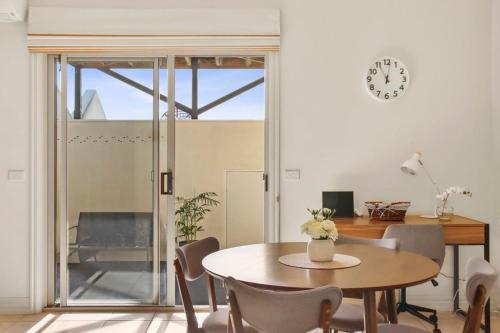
<point>453,234</point>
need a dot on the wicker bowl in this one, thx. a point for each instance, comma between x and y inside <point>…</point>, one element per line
<point>387,211</point>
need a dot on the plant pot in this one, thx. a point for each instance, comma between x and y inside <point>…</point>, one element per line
<point>184,242</point>
<point>321,249</point>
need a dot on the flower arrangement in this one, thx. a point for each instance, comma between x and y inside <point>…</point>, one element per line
<point>321,226</point>
<point>442,210</point>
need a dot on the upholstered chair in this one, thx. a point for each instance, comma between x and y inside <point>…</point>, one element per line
<point>480,280</point>
<point>426,240</point>
<point>188,267</point>
<point>350,317</point>
<point>281,311</point>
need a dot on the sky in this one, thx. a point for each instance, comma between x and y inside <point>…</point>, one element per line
<point>121,101</point>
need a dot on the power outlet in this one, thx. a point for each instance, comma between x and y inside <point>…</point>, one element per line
<point>15,175</point>
<point>292,174</point>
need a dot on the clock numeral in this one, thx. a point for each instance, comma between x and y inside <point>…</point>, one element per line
<point>372,87</point>
<point>373,71</point>
<point>395,64</point>
<point>386,96</point>
<point>402,87</point>
<point>395,94</point>
<point>402,71</point>
<point>387,62</point>
<point>378,64</point>
<point>369,79</point>
<point>378,93</point>
<point>404,78</point>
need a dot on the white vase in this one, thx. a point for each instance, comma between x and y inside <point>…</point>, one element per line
<point>321,249</point>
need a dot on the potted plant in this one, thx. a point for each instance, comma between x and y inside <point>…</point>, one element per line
<point>323,234</point>
<point>190,213</point>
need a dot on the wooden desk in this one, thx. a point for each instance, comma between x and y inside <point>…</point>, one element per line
<point>458,231</point>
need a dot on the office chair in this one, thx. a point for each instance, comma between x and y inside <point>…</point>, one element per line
<point>426,240</point>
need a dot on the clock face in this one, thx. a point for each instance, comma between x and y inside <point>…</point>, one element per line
<point>387,79</point>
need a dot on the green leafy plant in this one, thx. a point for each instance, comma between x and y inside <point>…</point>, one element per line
<point>191,212</point>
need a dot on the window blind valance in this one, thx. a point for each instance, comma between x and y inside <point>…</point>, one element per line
<point>69,30</point>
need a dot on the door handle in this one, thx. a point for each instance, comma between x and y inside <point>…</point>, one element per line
<point>170,187</point>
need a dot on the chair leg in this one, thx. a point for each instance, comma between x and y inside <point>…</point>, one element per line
<point>418,311</point>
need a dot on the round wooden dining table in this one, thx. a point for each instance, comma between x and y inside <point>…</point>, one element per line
<point>380,270</point>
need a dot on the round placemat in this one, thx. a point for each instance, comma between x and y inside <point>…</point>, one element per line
<point>301,260</point>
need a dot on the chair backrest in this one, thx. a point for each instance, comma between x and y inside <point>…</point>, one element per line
<point>278,311</point>
<point>423,239</point>
<point>188,266</point>
<point>388,243</point>
<point>191,255</point>
<point>480,277</point>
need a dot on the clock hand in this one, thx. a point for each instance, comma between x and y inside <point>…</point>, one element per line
<point>388,73</point>
<point>386,76</point>
<point>383,72</point>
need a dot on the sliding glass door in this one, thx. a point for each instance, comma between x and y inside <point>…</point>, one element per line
<point>136,138</point>
<point>109,180</point>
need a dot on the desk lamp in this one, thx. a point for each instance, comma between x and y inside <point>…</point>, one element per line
<point>411,166</point>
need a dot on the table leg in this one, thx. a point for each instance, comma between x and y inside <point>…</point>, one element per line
<point>390,296</point>
<point>370,315</point>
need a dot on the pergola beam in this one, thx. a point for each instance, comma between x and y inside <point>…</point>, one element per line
<point>144,89</point>
<point>194,88</point>
<point>232,94</point>
<point>195,111</point>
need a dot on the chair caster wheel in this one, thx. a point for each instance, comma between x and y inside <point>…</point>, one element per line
<point>437,330</point>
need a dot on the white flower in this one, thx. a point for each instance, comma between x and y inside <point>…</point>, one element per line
<point>442,196</point>
<point>320,230</point>
<point>320,217</point>
<point>316,231</point>
<point>452,191</point>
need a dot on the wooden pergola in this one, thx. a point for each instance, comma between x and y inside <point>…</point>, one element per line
<point>193,63</point>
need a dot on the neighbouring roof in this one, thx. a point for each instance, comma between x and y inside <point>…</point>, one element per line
<point>92,106</point>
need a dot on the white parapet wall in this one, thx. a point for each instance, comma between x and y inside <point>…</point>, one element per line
<point>110,163</point>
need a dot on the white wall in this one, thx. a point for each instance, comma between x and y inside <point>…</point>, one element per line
<point>338,136</point>
<point>495,87</point>
<point>14,155</point>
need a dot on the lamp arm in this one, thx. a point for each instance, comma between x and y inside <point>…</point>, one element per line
<point>430,177</point>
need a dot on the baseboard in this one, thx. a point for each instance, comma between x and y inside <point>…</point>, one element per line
<point>15,305</point>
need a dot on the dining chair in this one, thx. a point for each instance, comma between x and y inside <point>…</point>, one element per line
<point>480,279</point>
<point>350,317</point>
<point>426,240</point>
<point>281,311</point>
<point>188,267</point>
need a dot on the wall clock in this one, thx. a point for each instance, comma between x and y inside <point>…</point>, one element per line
<point>387,79</point>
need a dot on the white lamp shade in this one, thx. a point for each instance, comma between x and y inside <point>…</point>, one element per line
<point>411,166</point>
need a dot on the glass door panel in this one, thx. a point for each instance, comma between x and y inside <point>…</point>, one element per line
<point>111,198</point>
<point>219,149</point>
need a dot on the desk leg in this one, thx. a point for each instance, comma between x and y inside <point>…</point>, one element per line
<point>370,315</point>
<point>390,296</point>
<point>456,277</point>
<point>487,318</point>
